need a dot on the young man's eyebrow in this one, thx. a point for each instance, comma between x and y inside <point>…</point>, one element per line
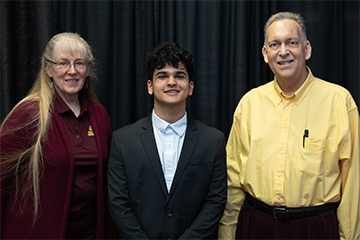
<point>158,73</point>
<point>181,72</point>
<point>164,72</point>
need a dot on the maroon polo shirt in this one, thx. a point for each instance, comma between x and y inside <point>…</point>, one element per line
<point>82,214</point>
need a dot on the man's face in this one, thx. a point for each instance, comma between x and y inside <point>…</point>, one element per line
<point>285,50</point>
<point>170,87</point>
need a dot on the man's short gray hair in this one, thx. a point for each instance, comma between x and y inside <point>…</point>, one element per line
<point>286,15</point>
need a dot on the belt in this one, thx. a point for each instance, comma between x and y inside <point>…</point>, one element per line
<point>285,213</point>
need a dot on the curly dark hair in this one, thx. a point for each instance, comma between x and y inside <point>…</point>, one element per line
<point>169,53</point>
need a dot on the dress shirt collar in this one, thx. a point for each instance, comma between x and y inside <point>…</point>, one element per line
<point>179,127</point>
<point>299,94</point>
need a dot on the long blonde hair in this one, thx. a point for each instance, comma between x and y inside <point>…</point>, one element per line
<point>26,166</point>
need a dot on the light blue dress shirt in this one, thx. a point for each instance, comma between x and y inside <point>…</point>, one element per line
<point>169,141</point>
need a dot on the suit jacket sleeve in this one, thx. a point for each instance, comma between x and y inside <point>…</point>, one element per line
<point>213,208</point>
<point>119,197</point>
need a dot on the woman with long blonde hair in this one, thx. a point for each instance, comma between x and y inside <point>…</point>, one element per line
<point>54,151</point>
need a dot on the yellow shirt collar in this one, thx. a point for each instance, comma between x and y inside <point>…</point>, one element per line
<point>299,94</point>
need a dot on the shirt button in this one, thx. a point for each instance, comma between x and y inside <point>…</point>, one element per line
<point>77,136</point>
<point>169,164</point>
<point>279,174</point>
<point>281,152</point>
<point>169,214</point>
<point>278,197</point>
<point>287,108</point>
<point>284,130</point>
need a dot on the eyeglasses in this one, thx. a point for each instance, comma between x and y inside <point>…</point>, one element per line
<point>65,65</point>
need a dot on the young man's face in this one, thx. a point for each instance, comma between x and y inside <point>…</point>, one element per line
<point>285,51</point>
<point>170,87</point>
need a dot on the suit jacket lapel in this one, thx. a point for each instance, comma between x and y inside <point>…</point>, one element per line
<point>148,141</point>
<point>190,142</point>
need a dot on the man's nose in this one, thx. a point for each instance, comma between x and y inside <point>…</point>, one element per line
<point>171,80</point>
<point>283,50</point>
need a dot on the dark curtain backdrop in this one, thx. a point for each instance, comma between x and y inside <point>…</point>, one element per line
<point>225,37</point>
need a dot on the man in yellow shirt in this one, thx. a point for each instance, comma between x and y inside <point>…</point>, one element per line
<point>293,150</point>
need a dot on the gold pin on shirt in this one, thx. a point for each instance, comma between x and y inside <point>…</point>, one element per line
<point>90,132</point>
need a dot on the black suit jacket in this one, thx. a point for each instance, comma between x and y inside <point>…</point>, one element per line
<point>140,204</point>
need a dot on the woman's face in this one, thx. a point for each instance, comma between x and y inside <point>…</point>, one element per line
<point>68,71</point>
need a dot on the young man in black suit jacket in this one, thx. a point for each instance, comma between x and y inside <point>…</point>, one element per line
<point>167,172</point>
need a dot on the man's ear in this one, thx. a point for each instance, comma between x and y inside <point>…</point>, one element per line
<point>150,87</point>
<point>307,50</point>
<point>264,53</point>
<point>191,88</point>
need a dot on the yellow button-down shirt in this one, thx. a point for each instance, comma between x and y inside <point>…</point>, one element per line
<point>269,157</point>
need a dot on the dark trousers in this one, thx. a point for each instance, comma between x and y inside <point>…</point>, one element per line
<point>254,224</point>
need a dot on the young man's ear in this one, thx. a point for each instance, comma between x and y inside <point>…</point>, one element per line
<point>191,88</point>
<point>150,87</point>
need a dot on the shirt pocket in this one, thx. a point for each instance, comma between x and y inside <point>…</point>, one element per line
<point>311,157</point>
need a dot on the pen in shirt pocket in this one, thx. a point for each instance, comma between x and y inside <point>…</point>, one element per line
<point>306,134</point>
